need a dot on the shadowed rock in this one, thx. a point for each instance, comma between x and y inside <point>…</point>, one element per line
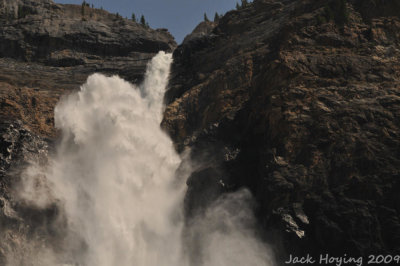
<point>312,105</point>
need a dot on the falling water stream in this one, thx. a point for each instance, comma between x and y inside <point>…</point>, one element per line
<point>114,177</point>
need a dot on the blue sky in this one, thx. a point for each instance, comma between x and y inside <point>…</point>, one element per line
<point>178,16</point>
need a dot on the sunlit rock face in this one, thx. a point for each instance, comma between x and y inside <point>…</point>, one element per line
<point>48,49</point>
<point>303,109</point>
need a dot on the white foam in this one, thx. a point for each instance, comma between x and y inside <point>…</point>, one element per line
<point>114,176</point>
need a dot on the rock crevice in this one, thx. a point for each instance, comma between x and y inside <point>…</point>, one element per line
<point>310,104</point>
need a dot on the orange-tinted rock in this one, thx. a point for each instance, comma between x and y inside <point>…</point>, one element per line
<point>313,107</point>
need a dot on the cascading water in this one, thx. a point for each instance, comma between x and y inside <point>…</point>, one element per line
<point>114,177</point>
<point>115,171</point>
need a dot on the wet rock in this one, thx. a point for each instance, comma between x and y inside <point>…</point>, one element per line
<point>204,186</point>
<point>19,221</point>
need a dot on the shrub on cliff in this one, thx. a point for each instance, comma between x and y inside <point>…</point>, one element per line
<point>83,8</point>
<point>216,17</point>
<point>143,22</point>
<point>206,18</point>
<point>23,11</point>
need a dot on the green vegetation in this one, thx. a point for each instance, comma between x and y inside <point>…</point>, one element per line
<point>23,12</point>
<point>133,17</point>
<point>143,22</point>
<point>83,6</point>
<point>244,4</point>
<point>206,18</point>
<point>83,9</point>
<point>216,17</point>
<point>321,20</point>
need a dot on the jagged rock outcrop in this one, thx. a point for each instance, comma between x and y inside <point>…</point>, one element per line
<point>47,49</point>
<point>201,30</point>
<point>300,102</point>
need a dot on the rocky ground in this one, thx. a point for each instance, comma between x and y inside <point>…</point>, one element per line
<point>300,102</point>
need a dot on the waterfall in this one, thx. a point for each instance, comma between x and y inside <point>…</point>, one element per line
<point>114,176</point>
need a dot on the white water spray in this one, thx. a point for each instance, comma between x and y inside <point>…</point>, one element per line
<point>114,174</point>
<point>115,171</point>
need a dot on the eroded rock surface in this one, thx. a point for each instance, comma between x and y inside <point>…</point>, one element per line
<point>303,108</point>
<point>47,49</point>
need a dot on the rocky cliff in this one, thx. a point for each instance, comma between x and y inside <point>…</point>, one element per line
<point>47,50</point>
<point>299,101</point>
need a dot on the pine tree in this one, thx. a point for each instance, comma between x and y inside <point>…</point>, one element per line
<point>142,20</point>
<point>206,18</point>
<point>83,8</point>
<point>237,6</point>
<point>133,17</point>
<point>216,17</point>
<point>244,3</point>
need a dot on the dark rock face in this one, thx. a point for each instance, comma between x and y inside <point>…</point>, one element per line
<point>47,49</point>
<point>20,223</point>
<point>202,30</point>
<point>303,111</point>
